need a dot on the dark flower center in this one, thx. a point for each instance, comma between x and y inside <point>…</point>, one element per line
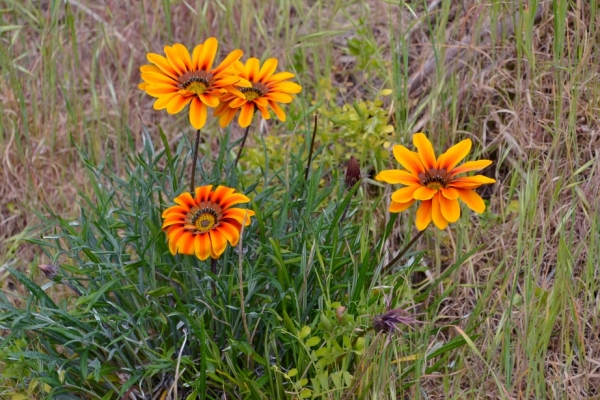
<point>257,90</point>
<point>435,178</point>
<point>195,81</point>
<point>203,217</point>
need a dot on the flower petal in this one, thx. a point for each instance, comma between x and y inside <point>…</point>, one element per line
<point>228,62</point>
<point>231,231</point>
<point>198,113</point>
<point>424,193</point>
<point>159,89</point>
<point>281,76</point>
<point>209,100</point>
<point>454,155</point>
<point>150,68</point>
<point>233,199</point>
<point>246,114</point>
<point>423,217</point>
<point>472,200</point>
<point>450,193</point>
<point>186,243</point>
<point>436,213</point>
<point>227,116</point>
<point>158,77</point>
<point>278,110</point>
<point>405,194</point>
<point>279,97</point>
<point>264,112</point>
<point>173,235</point>
<point>207,54</point>
<point>177,104</point>
<point>185,56</point>
<point>234,91</point>
<point>220,194</point>
<point>261,101</point>
<point>202,193</point>
<point>471,166</point>
<point>175,60</point>
<point>394,176</point>
<point>176,210</point>
<point>252,66</point>
<point>267,70</point>
<point>238,214</point>
<point>450,208</point>
<point>399,207</point>
<point>163,101</point>
<point>162,63</point>
<point>196,57</point>
<point>236,103</point>
<point>173,220</point>
<point>425,150</point>
<point>408,159</point>
<point>286,87</point>
<point>185,199</point>
<point>202,245</point>
<point>470,181</point>
<point>218,242</point>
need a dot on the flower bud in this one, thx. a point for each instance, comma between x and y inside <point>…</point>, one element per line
<point>352,173</point>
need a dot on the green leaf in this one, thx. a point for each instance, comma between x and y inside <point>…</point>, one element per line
<point>304,332</point>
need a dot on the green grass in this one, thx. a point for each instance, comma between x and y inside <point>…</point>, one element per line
<point>516,319</point>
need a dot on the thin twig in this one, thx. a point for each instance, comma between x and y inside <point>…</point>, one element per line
<point>239,154</point>
<point>242,301</point>
<point>312,144</point>
<point>174,386</point>
<point>241,279</point>
<point>403,252</point>
<point>193,182</point>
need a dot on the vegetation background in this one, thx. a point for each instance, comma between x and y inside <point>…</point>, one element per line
<point>520,78</point>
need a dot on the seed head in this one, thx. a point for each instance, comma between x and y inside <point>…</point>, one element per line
<point>390,321</point>
<point>49,270</point>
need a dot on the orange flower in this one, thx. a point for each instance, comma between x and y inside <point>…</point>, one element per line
<point>266,90</point>
<point>434,182</point>
<point>179,80</point>
<point>202,225</point>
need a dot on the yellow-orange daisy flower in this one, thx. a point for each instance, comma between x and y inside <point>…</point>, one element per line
<point>180,79</point>
<point>434,182</point>
<point>202,225</point>
<point>266,89</point>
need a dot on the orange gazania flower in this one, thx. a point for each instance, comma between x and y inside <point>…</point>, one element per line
<point>266,89</point>
<point>202,225</point>
<point>178,79</point>
<point>434,182</point>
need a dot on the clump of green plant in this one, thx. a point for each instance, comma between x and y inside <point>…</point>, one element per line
<point>179,293</point>
<point>360,129</point>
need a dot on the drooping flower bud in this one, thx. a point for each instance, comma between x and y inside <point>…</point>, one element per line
<point>49,270</point>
